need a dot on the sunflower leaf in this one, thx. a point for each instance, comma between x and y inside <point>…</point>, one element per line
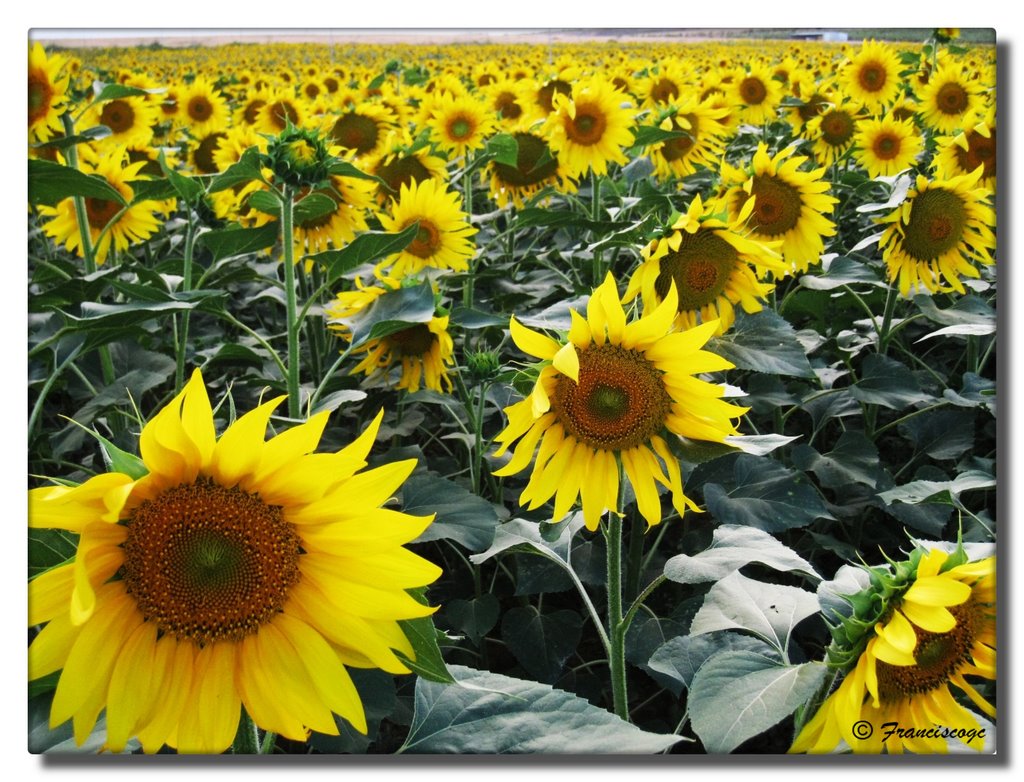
<point>732,547</point>
<point>247,169</point>
<point>887,382</point>
<point>681,657</point>
<point>424,637</point>
<point>504,148</point>
<point>114,459</point>
<point>314,206</point>
<point>487,713</point>
<point>365,248</point>
<point>942,492</point>
<point>49,183</point>
<point>228,242</point>
<point>460,515</point>
<point>541,642</point>
<point>764,342</point>
<point>391,312</point>
<point>736,695</point>
<point>187,188</point>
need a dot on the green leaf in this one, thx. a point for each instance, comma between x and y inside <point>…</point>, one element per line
<point>765,495</point>
<point>49,183</point>
<point>460,515</point>
<point>942,492</point>
<point>365,248</point>
<point>854,460</point>
<point>391,312</point>
<point>841,271</point>
<point>88,135</point>
<point>473,618</point>
<point>549,540</point>
<point>541,642</point>
<point>941,434</point>
<point>470,318</point>
<point>969,310</point>
<point>977,391</point>
<point>964,329</point>
<point>228,242</point>
<point>737,695</point>
<point>247,169</point>
<point>265,201</point>
<point>900,188</point>
<point>188,189</point>
<point>116,460</point>
<point>504,148</point>
<point>155,189</point>
<point>769,611</point>
<point>429,664</point>
<point>105,92</point>
<point>313,206</point>
<point>681,657</point>
<point>48,548</point>
<point>887,382</point>
<point>344,168</point>
<point>763,342</point>
<point>732,547</point>
<point>487,713</point>
<point>648,135</point>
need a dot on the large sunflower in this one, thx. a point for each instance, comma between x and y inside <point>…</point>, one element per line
<point>887,146</point>
<point>235,573</point>
<point>949,101</point>
<point>789,204</point>
<point>47,94</point>
<point>608,395</point>
<point>589,129</point>
<point>423,351</point>
<point>756,93</point>
<point>872,77</point>
<point>713,264</point>
<point>400,166</point>
<point>204,109</point>
<point>443,240</point>
<point>130,119</point>
<point>935,234</point>
<point>937,626</point>
<point>130,225</point>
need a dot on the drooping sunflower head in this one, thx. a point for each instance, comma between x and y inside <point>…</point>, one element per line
<point>940,231</point>
<point>47,93</point>
<point>712,265</point>
<point>237,561</point>
<point>916,629</point>
<point>590,128</point>
<point>611,391</point>
<point>444,236</point>
<point>872,75</point>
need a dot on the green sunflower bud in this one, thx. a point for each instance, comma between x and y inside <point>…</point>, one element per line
<point>299,157</point>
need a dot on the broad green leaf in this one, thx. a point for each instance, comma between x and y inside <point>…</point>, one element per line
<point>648,135</point>
<point>344,168</point>
<point>520,534</point>
<point>49,183</point>
<point>428,664</point>
<point>365,248</point>
<point>228,242</point>
<point>841,271</point>
<point>962,329</point>
<point>106,92</point>
<point>764,342</point>
<point>460,515</point>
<point>941,434</point>
<point>758,444</point>
<point>247,169</point>
<point>391,312</point>
<point>63,142</point>
<point>188,189</point>
<point>487,713</point>
<point>900,188</point>
<point>265,201</point>
<point>969,310</point>
<point>504,148</point>
<point>313,206</point>
<point>48,548</point>
<point>541,642</point>
<point>766,495</point>
<point>943,492</point>
<point>854,460</point>
<point>977,391</point>
<point>156,189</point>
<point>732,547</point>
<point>886,382</point>
<point>473,618</point>
<point>336,399</point>
<point>470,318</point>
<point>737,695</point>
<point>681,657</point>
<point>769,611</point>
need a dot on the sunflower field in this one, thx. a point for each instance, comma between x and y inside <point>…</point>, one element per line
<point>597,397</point>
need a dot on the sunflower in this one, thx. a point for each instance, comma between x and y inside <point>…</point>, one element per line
<point>361,130</point>
<point>235,573</point>
<point>443,240</point>
<point>203,152</point>
<point>887,146</point>
<point>606,396</point>
<point>756,93</point>
<point>535,169</point>
<point>702,146</point>
<point>949,101</point>
<point>247,110</point>
<point>130,119</point>
<point>203,109</point>
<point>712,264</point>
<point>937,231</point>
<point>399,165</point>
<point>964,152</point>
<point>789,204</point>
<point>422,351</point>
<point>127,225</point>
<point>589,129</point>
<point>280,110</point>
<point>459,124</point>
<point>508,100</point>
<point>832,131</point>
<point>665,87</point>
<point>47,94</point>
<point>937,625</point>
<point>872,77</point>
<point>813,97</point>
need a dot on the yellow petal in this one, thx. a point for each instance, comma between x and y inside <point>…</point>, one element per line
<point>237,453</point>
<point>937,591</point>
<point>531,342</point>
<point>934,619</point>
<point>567,362</point>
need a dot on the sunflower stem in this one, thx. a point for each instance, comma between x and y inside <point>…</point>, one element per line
<point>884,334</point>
<point>291,321</point>
<point>595,215</point>
<point>635,557</point>
<point>247,739</point>
<point>186,285</point>
<point>616,626</point>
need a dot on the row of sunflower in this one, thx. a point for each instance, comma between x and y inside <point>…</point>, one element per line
<point>443,190</point>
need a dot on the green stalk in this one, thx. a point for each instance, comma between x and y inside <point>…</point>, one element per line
<point>186,285</point>
<point>616,627</point>
<point>595,215</point>
<point>291,307</point>
<point>884,335</point>
<point>247,739</point>
<point>88,251</point>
